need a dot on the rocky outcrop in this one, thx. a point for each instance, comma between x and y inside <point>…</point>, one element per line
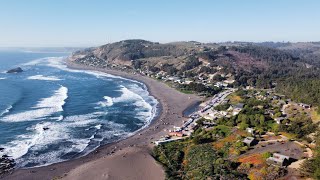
<point>6,164</point>
<point>15,70</point>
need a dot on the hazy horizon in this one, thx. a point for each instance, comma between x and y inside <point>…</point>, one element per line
<point>82,23</point>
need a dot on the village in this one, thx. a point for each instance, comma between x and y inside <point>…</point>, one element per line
<point>261,147</point>
<point>267,133</point>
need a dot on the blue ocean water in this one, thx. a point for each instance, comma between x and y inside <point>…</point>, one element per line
<point>50,113</point>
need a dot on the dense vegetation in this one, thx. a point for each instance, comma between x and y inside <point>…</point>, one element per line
<point>311,167</point>
<point>301,89</point>
<point>188,160</point>
<point>200,88</point>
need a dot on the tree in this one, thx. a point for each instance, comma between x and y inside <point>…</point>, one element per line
<point>243,125</point>
<point>262,120</point>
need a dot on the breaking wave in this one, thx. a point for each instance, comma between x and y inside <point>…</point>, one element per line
<point>108,102</point>
<point>52,131</point>
<point>44,78</point>
<point>45,107</point>
<point>7,110</point>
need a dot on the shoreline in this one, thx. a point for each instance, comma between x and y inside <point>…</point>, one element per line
<point>132,154</point>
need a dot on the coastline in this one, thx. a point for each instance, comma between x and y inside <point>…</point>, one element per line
<point>128,158</point>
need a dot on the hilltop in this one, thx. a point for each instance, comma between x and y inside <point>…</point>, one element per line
<point>249,64</point>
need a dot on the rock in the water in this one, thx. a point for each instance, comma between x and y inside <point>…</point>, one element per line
<point>15,70</point>
<point>45,128</point>
<point>6,164</point>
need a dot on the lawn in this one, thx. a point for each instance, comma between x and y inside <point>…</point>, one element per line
<point>185,91</point>
<point>288,135</point>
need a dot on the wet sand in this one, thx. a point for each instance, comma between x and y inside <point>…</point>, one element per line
<point>126,159</point>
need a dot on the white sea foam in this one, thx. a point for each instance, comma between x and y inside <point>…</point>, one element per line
<point>45,133</point>
<point>44,108</point>
<point>37,139</point>
<point>138,96</point>
<point>7,110</point>
<point>44,78</point>
<point>3,78</point>
<point>132,94</point>
<point>108,102</point>
<point>98,126</point>
<point>59,63</point>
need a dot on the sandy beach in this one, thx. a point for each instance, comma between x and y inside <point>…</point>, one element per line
<point>126,159</point>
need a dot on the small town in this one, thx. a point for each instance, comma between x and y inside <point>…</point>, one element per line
<point>259,150</point>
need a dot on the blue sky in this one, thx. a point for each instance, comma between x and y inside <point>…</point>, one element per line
<point>95,22</point>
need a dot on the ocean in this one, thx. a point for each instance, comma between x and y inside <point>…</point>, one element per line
<point>49,113</point>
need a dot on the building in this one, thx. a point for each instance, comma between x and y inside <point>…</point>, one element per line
<point>249,141</point>
<point>250,130</point>
<point>279,160</point>
<point>306,106</point>
<point>279,120</point>
<point>178,134</point>
<point>237,108</point>
<point>209,124</point>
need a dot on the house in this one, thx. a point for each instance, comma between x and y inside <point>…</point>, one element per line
<point>237,108</point>
<point>177,129</point>
<point>278,160</point>
<point>306,106</point>
<point>178,134</point>
<point>250,130</point>
<point>208,123</point>
<point>279,120</point>
<point>249,141</point>
<point>275,97</point>
<point>270,112</point>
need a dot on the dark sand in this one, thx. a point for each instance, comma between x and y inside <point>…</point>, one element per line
<point>129,158</point>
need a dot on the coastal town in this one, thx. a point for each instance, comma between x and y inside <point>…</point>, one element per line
<point>261,130</point>
<point>280,149</point>
<point>261,150</point>
<point>160,90</point>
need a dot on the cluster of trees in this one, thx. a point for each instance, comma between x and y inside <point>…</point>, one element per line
<point>191,63</point>
<point>300,125</point>
<point>189,160</point>
<point>137,49</point>
<point>169,68</point>
<point>265,53</point>
<point>301,90</point>
<point>222,107</point>
<point>311,167</point>
<point>200,88</point>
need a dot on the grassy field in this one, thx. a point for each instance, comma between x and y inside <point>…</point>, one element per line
<point>185,91</point>
<point>288,135</point>
<point>315,116</point>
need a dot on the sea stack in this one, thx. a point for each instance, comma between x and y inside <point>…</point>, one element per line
<point>15,70</point>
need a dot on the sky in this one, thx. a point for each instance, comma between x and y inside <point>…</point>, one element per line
<point>84,23</point>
